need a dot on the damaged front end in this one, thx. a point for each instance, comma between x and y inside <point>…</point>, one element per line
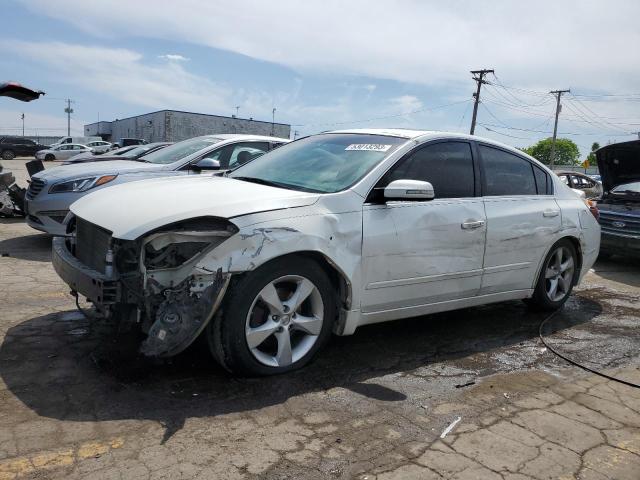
<point>154,281</point>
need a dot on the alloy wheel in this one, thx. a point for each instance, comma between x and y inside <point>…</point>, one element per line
<point>284,321</point>
<point>559,274</point>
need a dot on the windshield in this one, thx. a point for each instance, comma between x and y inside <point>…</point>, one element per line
<point>633,187</point>
<point>134,152</point>
<point>180,150</point>
<point>323,163</point>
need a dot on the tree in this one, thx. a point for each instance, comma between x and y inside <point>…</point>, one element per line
<point>591,158</point>
<point>567,152</point>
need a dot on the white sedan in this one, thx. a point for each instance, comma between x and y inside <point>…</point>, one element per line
<point>99,147</point>
<point>62,152</point>
<point>328,233</point>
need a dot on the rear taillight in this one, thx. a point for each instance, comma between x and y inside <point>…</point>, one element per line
<point>593,208</point>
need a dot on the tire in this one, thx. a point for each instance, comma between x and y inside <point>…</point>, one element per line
<point>8,154</point>
<point>49,157</point>
<point>245,317</point>
<point>560,271</point>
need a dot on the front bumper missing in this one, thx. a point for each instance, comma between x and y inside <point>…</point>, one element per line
<point>95,286</point>
<point>178,315</point>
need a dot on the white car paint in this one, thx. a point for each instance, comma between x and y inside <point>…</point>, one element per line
<point>99,146</point>
<point>395,260</point>
<point>62,152</point>
<point>47,209</point>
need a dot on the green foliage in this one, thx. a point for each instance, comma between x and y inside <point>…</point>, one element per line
<point>592,156</point>
<point>567,152</point>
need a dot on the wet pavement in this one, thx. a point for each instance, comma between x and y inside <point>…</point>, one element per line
<point>468,394</point>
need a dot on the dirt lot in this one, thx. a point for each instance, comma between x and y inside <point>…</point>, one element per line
<point>470,394</point>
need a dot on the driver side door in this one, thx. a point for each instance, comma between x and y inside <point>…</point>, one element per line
<point>417,253</point>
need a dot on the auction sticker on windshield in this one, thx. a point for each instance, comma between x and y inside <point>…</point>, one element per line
<point>370,147</point>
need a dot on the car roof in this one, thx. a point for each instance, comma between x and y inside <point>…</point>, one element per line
<point>411,134</point>
<point>242,136</point>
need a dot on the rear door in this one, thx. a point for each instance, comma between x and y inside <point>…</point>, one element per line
<point>522,217</point>
<point>422,252</point>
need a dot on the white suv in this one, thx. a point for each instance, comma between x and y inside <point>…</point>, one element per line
<point>327,233</point>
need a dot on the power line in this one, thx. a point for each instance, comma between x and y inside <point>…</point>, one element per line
<point>478,76</point>
<point>559,133</point>
<point>384,117</point>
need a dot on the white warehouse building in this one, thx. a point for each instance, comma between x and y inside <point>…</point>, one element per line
<point>174,125</point>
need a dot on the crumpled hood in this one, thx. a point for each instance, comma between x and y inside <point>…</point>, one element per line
<point>619,163</point>
<point>64,172</point>
<point>133,209</point>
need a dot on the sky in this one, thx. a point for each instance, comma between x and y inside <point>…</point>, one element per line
<point>330,64</point>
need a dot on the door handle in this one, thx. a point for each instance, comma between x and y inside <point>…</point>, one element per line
<point>551,213</point>
<point>472,224</point>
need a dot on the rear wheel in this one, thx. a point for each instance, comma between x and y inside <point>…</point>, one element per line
<point>8,154</point>
<point>275,319</point>
<point>558,276</point>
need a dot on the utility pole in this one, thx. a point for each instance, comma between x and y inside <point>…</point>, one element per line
<point>237,110</point>
<point>273,121</point>
<point>478,76</point>
<point>558,94</point>
<point>22,117</point>
<point>68,111</point>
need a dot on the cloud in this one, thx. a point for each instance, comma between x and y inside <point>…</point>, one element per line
<point>406,104</point>
<point>124,74</point>
<point>173,57</point>
<point>583,44</point>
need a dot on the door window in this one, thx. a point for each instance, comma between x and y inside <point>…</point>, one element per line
<point>244,152</point>
<point>448,166</point>
<point>506,174</point>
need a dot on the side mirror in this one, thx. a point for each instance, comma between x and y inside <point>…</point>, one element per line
<point>580,193</point>
<point>207,164</point>
<point>409,190</point>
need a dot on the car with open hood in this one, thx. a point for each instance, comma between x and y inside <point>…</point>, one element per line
<point>619,166</point>
<point>325,234</point>
<point>52,191</point>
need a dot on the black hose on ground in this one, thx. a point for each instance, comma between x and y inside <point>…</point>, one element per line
<point>573,362</point>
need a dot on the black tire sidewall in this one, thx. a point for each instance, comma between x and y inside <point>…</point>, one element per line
<point>540,300</point>
<point>230,331</point>
<point>49,157</point>
<point>10,155</point>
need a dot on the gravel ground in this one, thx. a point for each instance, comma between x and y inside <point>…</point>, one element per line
<point>468,394</point>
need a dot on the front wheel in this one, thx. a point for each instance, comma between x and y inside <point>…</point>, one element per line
<point>49,157</point>
<point>558,276</point>
<point>274,319</point>
<point>8,155</point>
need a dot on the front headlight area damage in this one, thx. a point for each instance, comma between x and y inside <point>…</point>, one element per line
<point>159,272</point>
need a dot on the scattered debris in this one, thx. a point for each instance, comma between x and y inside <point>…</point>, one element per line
<point>468,384</point>
<point>450,427</point>
<point>78,331</point>
<point>506,395</point>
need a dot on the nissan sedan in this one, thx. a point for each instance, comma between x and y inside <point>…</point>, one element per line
<point>326,234</point>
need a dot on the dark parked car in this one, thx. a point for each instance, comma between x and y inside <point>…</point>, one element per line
<point>619,166</point>
<point>11,147</point>
<point>125,142</point>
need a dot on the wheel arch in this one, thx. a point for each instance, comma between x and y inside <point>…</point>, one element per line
<point>575,241</point>
<point>339,279</point>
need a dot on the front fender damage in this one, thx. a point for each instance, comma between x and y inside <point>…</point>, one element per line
<point>181,313</point>
<point>176,299</point>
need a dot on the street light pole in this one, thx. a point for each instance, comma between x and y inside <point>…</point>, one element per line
<point>22,117</point>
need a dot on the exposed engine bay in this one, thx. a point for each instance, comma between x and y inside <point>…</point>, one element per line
<point>159,287</point>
